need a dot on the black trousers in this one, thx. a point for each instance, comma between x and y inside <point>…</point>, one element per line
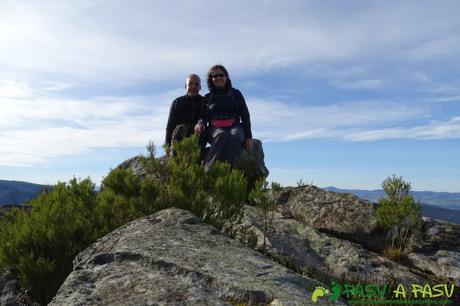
<point>226,145</point>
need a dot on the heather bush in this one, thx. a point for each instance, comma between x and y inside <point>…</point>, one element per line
<point>39,246</point>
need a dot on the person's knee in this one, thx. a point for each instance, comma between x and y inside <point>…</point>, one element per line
<point>180,132</point>
<point>220,136</point>
<point>237,135</point>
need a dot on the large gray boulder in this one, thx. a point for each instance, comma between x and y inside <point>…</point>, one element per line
<point>11,293</point>
<point>251,163</point>
<point>320,255</point>
<point>172,258</point>
<point>438,235</point>
<point>328,235</point>
<point>442,263</point>
<point>136,165</point>
<point>340,214</point>
<point>438,251</point>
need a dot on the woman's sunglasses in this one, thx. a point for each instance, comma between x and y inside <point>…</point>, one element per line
<point>219,75</point>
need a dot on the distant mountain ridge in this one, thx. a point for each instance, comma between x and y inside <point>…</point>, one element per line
<point>17,192</point>
<point>450,200</point>
<point>437,205</point>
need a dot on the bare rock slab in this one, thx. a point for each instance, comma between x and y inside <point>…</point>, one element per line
<point>322,256</point>
<point>341,214</point>
<point>172,258</point>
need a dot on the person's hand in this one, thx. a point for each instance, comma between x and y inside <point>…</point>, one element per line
<point>199,128</point>
<point>248,144</point>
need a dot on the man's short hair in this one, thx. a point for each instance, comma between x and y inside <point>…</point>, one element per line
<point>193,75</point>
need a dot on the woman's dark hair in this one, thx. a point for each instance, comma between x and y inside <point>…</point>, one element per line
<point>212,70</point>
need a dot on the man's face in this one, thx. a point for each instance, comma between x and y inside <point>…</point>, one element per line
<point>192,86</point>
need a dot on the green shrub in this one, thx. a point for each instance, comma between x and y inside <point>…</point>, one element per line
<point>265,199</point>
<point>216,197</point>
<point>157,168</point>
<point>228,191</point>
<point>40,246</point>
<point>399,213</point>
<point>125,197</point>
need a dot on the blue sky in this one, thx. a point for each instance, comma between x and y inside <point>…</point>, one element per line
<point>342,93</point>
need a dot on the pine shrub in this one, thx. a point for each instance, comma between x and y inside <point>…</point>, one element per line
<point>398,213</point>
<point>39,246</point>
<point>265,199</point>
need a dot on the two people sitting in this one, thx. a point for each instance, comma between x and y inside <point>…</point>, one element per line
<point>221,116</point>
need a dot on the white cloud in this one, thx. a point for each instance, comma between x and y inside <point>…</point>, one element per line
<point>59,87</point>
<point>121,42</point>
<point>38,128</point>
<point>278,121</point>
<point>104,40</point>
<point>438,48</point>
<point>360,84</point>
<point>439,130</point>
<point>449,99</point>
<point>10,89</point>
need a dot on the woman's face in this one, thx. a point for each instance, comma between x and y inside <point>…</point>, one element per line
<point>219,79</point>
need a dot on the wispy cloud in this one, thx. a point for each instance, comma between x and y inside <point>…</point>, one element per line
<point>280,121</point>
<point>437,48</point>
<point>35,129</point>
<point>11,89</point>
<point>123,40</point>
<point>376,56</point>
<point>359,84</point>
<point>449,99</point>
<point>449,129</point>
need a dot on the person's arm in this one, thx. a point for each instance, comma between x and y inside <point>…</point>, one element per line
<point>244,114</point>
<point>245,120</point>
<point>202,120</point>
<point>171,124</point>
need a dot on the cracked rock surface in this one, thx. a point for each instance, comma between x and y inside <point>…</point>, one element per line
<point>322,256</point>
<point>172,258</point>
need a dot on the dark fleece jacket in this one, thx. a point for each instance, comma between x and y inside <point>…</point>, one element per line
<point>221,104</point>
<point>184,110</point>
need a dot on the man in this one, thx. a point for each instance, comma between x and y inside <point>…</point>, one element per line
<point>184,113</point>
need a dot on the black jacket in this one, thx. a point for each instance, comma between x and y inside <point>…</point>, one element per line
<point>184,110</point>
<point>221,104</point>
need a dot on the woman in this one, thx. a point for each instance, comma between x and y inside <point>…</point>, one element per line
<point>225,114</point>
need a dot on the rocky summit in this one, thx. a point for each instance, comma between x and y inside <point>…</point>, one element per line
<point>251,163</point>
<point>172,258</point>
<point>316,238</point>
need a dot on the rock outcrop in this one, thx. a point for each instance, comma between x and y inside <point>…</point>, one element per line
<point>341,214</point>
<point>438,251</point>
<point>322,256</point>
<point>251,163</point>
<point>316,237</point>
<point>332,236</point>
<point>437,235</point>
<point>172,258</point>
<point>11,293</point>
